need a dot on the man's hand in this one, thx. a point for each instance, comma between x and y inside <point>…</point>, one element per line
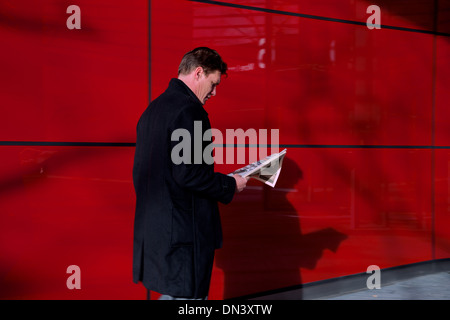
<point>240,182</point>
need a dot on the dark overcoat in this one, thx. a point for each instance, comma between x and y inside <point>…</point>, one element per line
<point>177,224</point>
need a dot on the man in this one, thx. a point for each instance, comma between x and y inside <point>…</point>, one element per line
<point>177,223</point>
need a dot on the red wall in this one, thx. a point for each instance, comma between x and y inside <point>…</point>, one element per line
<point>363,114</point>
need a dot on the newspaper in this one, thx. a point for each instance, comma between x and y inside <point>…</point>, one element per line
<point>265,170</point>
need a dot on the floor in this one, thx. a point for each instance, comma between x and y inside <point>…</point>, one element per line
<point>434,286</point>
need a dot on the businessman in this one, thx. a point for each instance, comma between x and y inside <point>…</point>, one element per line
<point>177,224</point>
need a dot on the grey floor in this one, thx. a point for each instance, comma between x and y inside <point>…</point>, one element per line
<point>427,287</point>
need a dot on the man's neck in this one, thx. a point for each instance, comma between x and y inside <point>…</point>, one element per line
<point>189,82</point>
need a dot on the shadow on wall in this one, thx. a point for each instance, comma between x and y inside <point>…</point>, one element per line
<point>264,249</point>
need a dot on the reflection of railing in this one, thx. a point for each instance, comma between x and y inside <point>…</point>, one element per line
<point>216,23</point>
<point>410,12</point>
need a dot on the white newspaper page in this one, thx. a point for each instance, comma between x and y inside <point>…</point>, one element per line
<point>265,170</point>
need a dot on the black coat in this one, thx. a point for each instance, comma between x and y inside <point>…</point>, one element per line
<point>177,224</point>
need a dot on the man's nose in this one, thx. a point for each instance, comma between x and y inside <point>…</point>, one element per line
<point>213,93</point>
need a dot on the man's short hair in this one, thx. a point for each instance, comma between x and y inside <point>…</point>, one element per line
<point>203,57</point>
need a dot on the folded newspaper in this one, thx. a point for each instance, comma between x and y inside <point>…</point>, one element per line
<point>265,170</point>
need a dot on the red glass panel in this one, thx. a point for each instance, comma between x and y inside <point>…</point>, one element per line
<point>73,85</point>
<point>333,212</point>
<point>61,207</point>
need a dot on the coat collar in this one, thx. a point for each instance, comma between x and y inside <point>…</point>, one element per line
<point>178,85</point>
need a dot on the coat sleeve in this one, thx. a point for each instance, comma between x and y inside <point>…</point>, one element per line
<point>192,174</point>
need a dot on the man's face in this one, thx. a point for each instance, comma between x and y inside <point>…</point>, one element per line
<point>207,85</point>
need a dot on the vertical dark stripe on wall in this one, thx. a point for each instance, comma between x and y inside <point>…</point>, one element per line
<point>433,133</point>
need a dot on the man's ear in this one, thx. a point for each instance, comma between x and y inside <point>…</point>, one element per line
<point>198,73</point>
